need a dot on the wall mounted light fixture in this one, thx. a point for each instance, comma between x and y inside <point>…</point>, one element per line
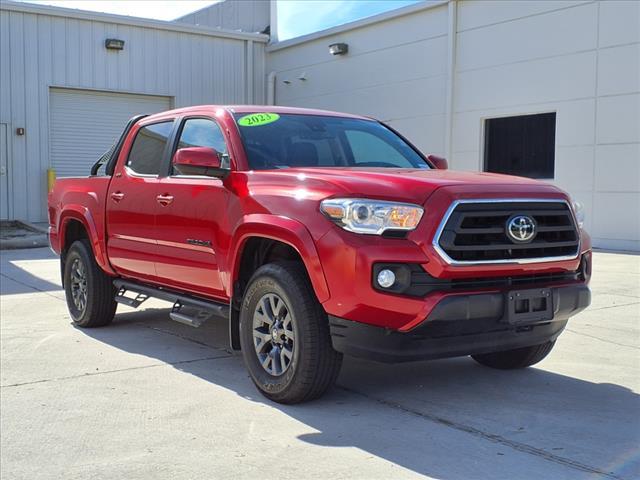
<point>114,44</point>
<point>338,48</point>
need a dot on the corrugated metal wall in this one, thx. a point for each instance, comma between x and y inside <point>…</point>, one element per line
<point>245,15</point>
<point>40,49</point>
<point>77,136</point>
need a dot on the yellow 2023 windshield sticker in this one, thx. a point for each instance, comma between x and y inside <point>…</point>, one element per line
<point>257,119</point>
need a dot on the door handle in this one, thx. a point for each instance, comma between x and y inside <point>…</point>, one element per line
<point>165,199</point>
<point>117,196</point>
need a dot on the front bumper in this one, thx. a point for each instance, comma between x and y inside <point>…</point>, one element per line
<point>458,325</point>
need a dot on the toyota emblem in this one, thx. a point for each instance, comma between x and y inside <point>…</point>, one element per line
<point>521,228</point>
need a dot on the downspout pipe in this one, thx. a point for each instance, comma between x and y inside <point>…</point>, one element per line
<point>271,88</point>
<point>452,25</point>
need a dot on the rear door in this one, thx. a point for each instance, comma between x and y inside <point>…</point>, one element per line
<point>131,200</point>
<point>190,218</point>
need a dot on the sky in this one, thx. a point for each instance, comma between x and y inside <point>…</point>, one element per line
<point>295,17</point>
<point>156,9</point>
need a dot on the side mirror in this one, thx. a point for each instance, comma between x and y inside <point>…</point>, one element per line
<point>439,162</point>
<point>201,161</point>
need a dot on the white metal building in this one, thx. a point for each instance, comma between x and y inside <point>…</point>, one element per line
<point>71,96</point>
<point>439,72</point>
<point>549,89</point>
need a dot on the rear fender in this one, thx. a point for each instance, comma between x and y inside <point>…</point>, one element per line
<point>84,216</point>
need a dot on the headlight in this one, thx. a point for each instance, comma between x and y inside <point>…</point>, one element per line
<point>371,217</point>
<point>578,210</point>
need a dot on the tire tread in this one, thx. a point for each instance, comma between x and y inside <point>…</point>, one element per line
<point>324,360</point>
<point>101,304</point>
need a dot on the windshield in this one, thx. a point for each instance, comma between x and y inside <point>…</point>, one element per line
<point>288,140</point>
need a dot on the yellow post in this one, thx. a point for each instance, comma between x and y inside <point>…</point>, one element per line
<point>51,178</point>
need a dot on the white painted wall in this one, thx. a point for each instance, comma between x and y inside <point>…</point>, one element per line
<point>44,47</point>
<point>579,59</point>
<point>395,70</point>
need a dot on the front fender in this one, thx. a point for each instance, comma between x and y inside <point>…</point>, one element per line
<point>285,230</point>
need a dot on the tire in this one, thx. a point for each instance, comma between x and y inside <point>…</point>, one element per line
<point>82,274</point>
<point>281,293</point>
<point>517,358</point>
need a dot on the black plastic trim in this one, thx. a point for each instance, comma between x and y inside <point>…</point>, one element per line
<point>110,164</point>
<point>217,308</point>
<point>458,326</point>
<point>421,283</point>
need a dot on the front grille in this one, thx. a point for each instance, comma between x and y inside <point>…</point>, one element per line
<point>475,231</point>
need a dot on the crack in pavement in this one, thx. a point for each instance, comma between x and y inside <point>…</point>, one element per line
<point>494,438</point>
<point>603,340</point>
<point>93,374</point>
<point>521,447</point>
<point>613,306</point>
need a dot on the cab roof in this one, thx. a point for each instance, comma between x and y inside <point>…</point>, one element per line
<point>212,109</point>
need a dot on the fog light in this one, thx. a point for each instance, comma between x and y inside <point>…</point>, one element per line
<point>386,278</point>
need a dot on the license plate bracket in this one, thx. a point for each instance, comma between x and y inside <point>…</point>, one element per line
<point>529,306</point>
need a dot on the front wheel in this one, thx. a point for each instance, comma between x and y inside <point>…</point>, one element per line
<point>284,335</point>
<point>89,291</point>
<point>516,358</point>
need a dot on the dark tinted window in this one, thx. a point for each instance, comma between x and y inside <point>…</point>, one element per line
<point>523,145</point>
<point>289,140</point>
<point>146,153</point>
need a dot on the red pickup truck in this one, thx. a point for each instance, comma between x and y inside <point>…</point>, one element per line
<point>317,234</point>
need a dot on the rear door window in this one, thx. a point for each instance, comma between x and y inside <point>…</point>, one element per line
<point>145,157</point>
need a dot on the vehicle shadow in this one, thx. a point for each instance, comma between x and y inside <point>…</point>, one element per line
<point>16,268</point>
<point>402,413</point>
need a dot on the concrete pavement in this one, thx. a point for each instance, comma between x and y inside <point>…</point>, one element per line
<point>149,398</point>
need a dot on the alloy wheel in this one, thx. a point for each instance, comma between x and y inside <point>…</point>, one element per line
<point>273,334</point>
<point>79,284</point>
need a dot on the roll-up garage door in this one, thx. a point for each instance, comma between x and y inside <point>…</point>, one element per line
<point>85,124</point>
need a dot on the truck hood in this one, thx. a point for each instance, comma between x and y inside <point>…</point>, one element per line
<point>402,184</point>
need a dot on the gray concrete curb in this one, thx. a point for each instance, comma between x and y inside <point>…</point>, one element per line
<point>32,241</point>
<point>38,238</point>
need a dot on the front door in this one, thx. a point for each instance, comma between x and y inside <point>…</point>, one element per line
<point>4,173</point>
<point>189,218</point>
<point>131,203</point>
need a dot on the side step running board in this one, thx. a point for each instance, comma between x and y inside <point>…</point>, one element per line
<point>188,310</point>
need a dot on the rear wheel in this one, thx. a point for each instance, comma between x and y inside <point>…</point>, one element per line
<point>89,291</point>
<point>516,358</point>
<point>284,335</point>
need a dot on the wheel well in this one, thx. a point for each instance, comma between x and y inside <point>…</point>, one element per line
<point>74,230</point>
<point>257,251</point>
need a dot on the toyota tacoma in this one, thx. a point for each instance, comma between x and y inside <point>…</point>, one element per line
<point>315,235</point>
